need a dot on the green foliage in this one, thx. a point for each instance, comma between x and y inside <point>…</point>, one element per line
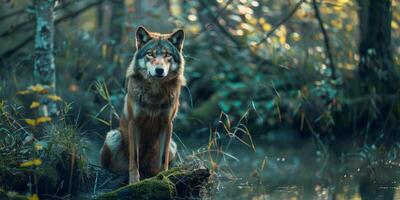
<point>242,58</point>
<point>46,156</point>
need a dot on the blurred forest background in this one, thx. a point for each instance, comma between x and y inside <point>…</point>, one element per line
<point>294,99</point>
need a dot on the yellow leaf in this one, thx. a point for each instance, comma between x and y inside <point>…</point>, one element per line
<point>31,122</point>
<point>35,162</point>
<point>282,39</point>
<point>35,122</point>
<point>38,147</point>
<point>33,197</point>
<point>252,21</point>
<point>37,88</point>
<point>24,92</point>
<point>349,27</point>
<point>326,10</point>
<point>26,164</point>
<point>266,27</point>
<point>296,37</point>
<point>394,25</point>
<point>54,97</point>
<point>42,120</point>
<point>35,104</point>
<point>337,23</point>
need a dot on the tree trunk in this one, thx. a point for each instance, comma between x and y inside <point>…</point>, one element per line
<point>117,21</point>
<point>113,19</point>
<point>139,10</point>
<point>377,75</point>
<point>376,55</point>
<point>44,67</point>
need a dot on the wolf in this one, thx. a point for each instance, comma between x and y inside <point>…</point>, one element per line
<point>142,145</point>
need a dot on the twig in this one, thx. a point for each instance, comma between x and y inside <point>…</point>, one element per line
<point>283,21</point>
<point>326,38</point>
<point>224,8</point>
<point>71,174</point>
<point>95,182</point>
<point>222,28</point>
<point>231,37</point>
<point>321,144</point>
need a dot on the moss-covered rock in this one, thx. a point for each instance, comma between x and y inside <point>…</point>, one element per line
<point>180,182</point>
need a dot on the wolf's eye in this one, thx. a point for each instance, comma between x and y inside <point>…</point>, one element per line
<point>149,54</point>
<point>168,55</point>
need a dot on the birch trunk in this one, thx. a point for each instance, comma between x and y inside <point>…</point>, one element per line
<point>44,67</point>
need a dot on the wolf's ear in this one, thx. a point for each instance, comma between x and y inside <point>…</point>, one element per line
<point>142,36</point>
<point>176,38</point>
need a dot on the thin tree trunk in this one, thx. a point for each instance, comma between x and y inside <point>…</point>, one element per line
<point>44,67</point>
<point>376,72</point>
<point>326,39</point>
<point>139,8</point>
<point>106,20</point>
<point>117,21</point>
<point>376,55</point>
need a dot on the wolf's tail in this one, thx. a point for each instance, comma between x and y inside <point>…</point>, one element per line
<point>173,149</point>
<point>111,155</point>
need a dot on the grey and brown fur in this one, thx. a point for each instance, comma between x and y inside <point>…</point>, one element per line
<point>143,144</point>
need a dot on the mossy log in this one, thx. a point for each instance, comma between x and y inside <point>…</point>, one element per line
<point>183,182</point>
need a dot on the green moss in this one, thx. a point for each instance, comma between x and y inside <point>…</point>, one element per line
<point>158,187</point>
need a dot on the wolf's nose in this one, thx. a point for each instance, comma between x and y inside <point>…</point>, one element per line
<point>159,71</point>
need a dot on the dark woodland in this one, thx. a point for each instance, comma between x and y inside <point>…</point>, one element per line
<point>293,99</point>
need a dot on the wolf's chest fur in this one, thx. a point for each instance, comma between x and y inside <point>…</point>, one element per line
<point>151,100</point>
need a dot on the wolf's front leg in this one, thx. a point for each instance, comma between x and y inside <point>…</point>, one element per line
<point>167,141</point>
<point>134,141</point>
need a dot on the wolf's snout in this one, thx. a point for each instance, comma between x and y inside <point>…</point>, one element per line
<point>159,71</point>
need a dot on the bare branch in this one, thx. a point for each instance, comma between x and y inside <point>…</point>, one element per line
<point>214,18</point>
<point>17,12</point>
<point>20,26</point>
<point>326,38</point>
<point>283,21</point>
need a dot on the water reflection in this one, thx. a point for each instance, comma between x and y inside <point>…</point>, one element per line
<point>293,173</point>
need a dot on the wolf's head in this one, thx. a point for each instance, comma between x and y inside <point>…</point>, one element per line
<point>158,56</point>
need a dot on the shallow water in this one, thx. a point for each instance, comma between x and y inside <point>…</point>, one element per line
<point>291,169</point>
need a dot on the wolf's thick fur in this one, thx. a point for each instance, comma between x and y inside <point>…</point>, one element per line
<point>143,143</point>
